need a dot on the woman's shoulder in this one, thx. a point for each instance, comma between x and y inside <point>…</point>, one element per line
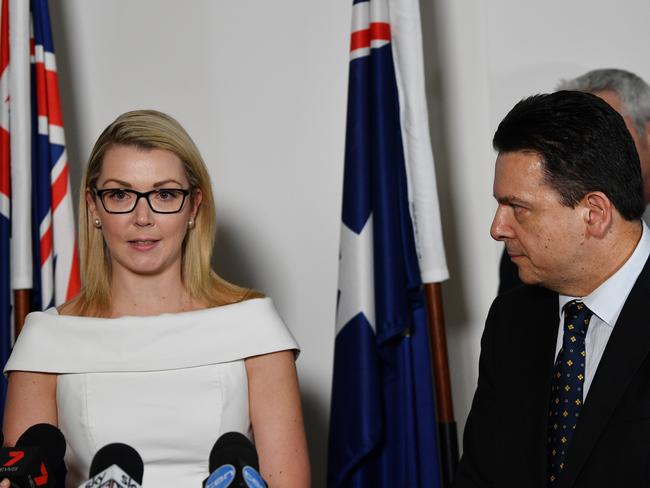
<point>72,307</point>
<point>68,308</point>
<point>150,343</point>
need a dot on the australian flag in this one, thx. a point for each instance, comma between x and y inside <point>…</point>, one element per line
<point>55,246</point>
<point>38,248</point>
<point>383,426</point>
<point>5,195</point>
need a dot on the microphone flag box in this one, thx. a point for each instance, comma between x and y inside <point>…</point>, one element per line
<point>24,464</point>
<point>252,478</point>
<point>221,477</point>
<point>224,476</point>
<point>111,477</point>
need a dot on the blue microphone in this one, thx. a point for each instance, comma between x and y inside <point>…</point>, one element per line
<point>234,463</point>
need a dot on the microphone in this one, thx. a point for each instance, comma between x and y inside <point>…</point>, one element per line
<point>39,450</point>
<point>115,466</point>
<point>234,462</point>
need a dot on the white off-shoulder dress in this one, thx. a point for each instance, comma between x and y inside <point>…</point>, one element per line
<point>168,385</point>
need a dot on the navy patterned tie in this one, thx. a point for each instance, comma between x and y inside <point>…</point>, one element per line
<point>567,391</point>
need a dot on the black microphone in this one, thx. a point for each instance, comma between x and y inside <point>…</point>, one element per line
<point>115,466</point>
<point>234,463</point>
<point>38,452</point>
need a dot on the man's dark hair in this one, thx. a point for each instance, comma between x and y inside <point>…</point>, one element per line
<point>584,145</point>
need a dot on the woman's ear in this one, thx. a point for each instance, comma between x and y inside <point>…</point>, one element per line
<point>91,204</point>
<point>197,198</point>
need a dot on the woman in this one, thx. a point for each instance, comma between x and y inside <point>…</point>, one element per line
<point>157,351</point>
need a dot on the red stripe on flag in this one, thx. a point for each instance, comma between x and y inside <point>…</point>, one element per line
<point>4,36</point>
<point>41,90</point>
<point>5,154</point>
<point>60,188</point>
<point>360,39</point>
<point>5,173</point>
<point>53,101</point>
<point>46,245</point>
<point>74,283</point>
<point>378,31</point>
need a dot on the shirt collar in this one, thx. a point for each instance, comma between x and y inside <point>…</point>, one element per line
<point>608,299</point>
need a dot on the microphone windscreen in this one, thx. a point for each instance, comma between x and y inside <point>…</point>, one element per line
<point>123,456</point>
<point>48,438</point>
<point>233,448</point>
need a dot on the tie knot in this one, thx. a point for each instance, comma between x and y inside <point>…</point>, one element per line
<point>576,317</point>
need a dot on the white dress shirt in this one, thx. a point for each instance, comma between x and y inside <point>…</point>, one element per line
<point>606,302</point>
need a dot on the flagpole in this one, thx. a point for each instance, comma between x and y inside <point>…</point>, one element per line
<point>21,309</point>
<point>447,426</point>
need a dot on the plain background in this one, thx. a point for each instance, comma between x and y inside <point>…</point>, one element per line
<point>262,88</point>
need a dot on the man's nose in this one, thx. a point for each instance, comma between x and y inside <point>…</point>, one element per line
<point>501,228</point>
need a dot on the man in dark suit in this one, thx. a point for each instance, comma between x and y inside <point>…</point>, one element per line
<point>629,95</point>
<point>563,395</point>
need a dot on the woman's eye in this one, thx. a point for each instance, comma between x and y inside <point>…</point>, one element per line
<point>167,194</point>
<point>118,195</point>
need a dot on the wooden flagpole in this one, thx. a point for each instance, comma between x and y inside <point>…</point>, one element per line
<point>447,431</point>
<point>21,309</point>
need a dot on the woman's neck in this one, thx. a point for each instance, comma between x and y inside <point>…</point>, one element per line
<point>149,295</point>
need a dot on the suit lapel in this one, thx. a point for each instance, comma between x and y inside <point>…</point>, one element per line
<point>627,348</point>
<point>539,333</point>
<point>549,321</point>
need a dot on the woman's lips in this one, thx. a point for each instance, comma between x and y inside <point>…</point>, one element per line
<point>143,244</point>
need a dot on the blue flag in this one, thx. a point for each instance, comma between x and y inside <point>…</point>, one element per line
<point>383,419</point>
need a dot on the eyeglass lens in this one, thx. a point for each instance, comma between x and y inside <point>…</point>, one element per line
<point>161,200</point>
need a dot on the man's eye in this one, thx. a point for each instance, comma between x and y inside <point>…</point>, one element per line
<point>518,209</point>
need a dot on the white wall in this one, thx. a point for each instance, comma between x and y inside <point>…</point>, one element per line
<point>261,86</point>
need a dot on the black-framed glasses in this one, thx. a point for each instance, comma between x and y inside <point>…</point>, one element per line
<point>160,200</point>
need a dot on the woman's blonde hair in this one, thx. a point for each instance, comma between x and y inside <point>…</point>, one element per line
<point>146,130</point>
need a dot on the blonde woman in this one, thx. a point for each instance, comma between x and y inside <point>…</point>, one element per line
<point>157,351</point>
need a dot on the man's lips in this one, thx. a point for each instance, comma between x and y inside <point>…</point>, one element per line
<point>514,255</point>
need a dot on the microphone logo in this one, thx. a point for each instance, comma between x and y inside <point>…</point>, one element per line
<point>14,457</point>
<point>252,478</point>
<point>42,479</point>
<point>222,477</point>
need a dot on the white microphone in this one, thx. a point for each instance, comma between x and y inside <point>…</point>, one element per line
<point>115,466</point>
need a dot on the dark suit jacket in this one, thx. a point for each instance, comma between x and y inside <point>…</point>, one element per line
<point>505,435</point>
<point>508,274</point>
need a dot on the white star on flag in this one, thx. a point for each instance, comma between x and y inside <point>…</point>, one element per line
<point>356,276</point>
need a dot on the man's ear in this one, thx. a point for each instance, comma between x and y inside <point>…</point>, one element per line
<point>599,213</point>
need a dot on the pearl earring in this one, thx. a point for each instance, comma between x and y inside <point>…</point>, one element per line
<point>190,224</point>
<point>98,223</point>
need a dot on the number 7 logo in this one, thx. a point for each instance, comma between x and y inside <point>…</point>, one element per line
<point>14,457</point>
